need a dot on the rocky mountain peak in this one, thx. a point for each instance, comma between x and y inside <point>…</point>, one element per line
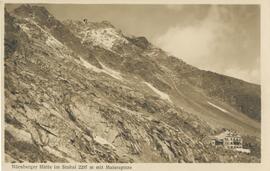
<point>89,24</point>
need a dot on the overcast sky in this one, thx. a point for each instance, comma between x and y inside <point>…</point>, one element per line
<point>219,38</point>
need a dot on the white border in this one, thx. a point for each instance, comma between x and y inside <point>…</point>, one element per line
<point>265,83</point>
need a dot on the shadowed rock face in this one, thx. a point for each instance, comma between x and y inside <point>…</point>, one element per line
<point>243,96</point>
<point>85,92</point>
<point>141,42</point>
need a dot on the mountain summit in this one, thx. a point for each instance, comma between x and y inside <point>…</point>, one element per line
<point>82,91</point>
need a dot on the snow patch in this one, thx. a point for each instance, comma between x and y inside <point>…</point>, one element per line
<point>160,93</point>
<point>111,72</point>
<point>217,107</point>
<point>106,70</point>
<point>52,42</point>
<point>55,45</point>
<point>104,37</point>
<point>102,141</point>
<point>88,65</point>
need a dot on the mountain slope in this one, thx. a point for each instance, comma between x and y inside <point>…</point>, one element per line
<point>84,92</point>
<point>181,81</point>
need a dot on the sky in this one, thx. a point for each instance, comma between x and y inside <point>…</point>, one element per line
<point>219,38</point>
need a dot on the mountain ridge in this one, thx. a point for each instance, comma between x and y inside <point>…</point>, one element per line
<point>107,97</point>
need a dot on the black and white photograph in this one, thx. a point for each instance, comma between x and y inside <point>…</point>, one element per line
<point>132,83</point>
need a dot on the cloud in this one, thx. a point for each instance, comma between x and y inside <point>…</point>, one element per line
<point>223,41</point>
<point>247,75</point>
<point>190,43</point>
